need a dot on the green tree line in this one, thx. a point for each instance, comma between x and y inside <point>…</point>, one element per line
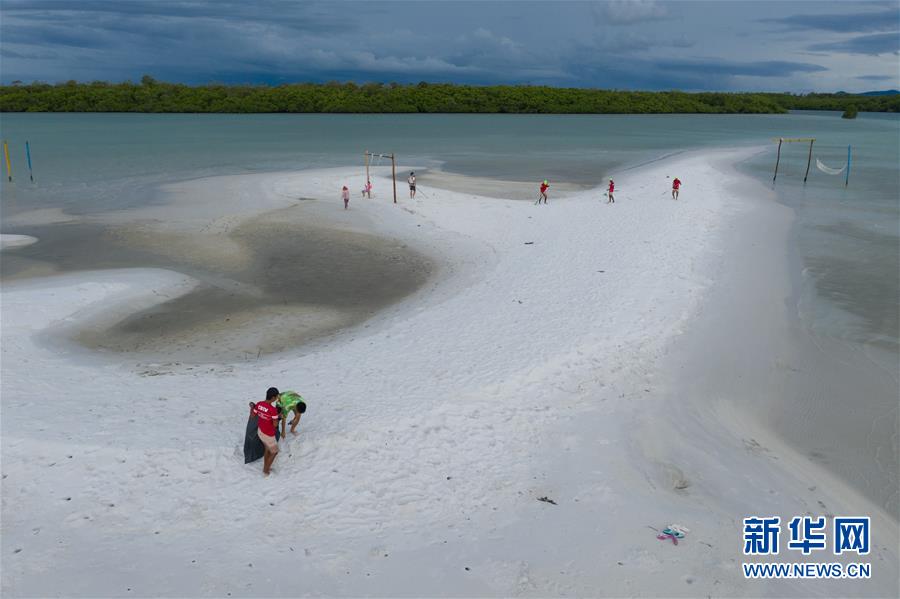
<point>153,96</point>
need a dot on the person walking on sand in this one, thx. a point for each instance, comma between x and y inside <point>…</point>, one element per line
<point>345,193</point>
<point>268,415</point>
<point>545,185</point>
<point>412,185</point>
<point>610,191</point>
<point>291,401</point>
<point>676,185</point>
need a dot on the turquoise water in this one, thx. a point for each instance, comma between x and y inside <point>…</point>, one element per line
<point>846,239</point>
<point>848,236</point>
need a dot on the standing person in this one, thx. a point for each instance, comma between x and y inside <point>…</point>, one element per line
<point>267,412</point>
<point>345,193</point>
<point>367,190</point>
<point>676,185</point>
<point>253,445</point>
<point>545,185</point>
<point>412,185</point>
<point>610,191</point>
<point>291,401</point>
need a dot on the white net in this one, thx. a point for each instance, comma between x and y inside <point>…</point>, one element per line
<point>828,169</point>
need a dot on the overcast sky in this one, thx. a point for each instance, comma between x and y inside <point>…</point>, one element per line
<point>639,44</point>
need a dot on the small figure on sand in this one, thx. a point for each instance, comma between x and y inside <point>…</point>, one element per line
<point>367,190</point>
<point>345,193</point>
<point>267,412</point>
<point>676,185</point>
<point>290,401</point>
<point>545,185</point>
<point>412,185</point>
<point>609,192</point>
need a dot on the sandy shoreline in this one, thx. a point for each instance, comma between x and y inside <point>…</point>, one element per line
<point>538,364</point>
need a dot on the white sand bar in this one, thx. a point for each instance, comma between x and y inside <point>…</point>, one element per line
<point>527,370</point>
<point>9,242</point>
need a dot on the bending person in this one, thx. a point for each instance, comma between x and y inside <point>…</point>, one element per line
<point>291,401</point>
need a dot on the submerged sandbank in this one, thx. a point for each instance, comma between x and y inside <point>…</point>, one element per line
<point>494,188</point>
<point>265,283</point>
<point>9,242</point>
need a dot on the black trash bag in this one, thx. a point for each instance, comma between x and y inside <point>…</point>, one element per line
<point>253,445</point>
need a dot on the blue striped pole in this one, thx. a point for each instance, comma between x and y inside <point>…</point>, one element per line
<point>847,179</point>
<point>28,154</point>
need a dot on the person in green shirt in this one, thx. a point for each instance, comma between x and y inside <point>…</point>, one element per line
<point>288,401</point>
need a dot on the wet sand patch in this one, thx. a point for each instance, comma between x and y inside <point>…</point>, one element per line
<point>276,281</point>
<point>483,186</point>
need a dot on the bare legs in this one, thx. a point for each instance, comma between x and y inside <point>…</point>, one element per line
<point>268,458</point>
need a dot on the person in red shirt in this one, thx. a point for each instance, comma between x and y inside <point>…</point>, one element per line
<point>545,185</point>
<point>609,192</point>
<point>268,414</point>
<point>676,185</point>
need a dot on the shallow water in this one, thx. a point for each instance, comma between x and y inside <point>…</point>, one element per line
<point>848,236</point>
<point>297,283</point>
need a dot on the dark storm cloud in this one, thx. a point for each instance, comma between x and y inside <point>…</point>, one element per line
<point>637,44</point>
<point>7,53</point>
<point>876,78</point>
<point>768,68</point>
<point>302,16</point>
<point>862,22</point>
<point>74,36</point>
<point>872,45</point>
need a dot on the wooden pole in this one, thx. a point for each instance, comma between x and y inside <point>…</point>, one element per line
<point>367,169</point>
<point>808,160</point>
<point>777,159</point>
<point>847,179</point>
<point>394,176</point>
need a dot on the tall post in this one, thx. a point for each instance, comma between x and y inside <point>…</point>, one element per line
<point>778,158</point>
<point>808,160</point>
<point>28,155</point>
<point>6,155</point>
<point>394,176</point>
<point>367,169</point>
<point>847,179</point>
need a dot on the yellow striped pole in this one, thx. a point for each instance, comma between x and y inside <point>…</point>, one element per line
<point>6,154</point>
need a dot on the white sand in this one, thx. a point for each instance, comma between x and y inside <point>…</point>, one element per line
<point>9,242</point>
<point>527,370</point>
